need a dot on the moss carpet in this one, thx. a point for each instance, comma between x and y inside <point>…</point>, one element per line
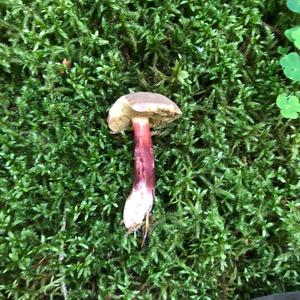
<point>225,224</point>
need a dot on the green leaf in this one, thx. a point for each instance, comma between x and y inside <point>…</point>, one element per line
<point>178,73</point>
<point>296,37</point>
<point>281,99</point>
<point>182,76</point>
<point>291,66</point>
<point>294,5</point>
<point>289,114</point>
<point>289,106</point>
<point>282,50</point>
<point>289,33</point>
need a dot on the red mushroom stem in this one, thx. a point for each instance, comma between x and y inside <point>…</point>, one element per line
<point>139,203</point>
<point>144,174</point>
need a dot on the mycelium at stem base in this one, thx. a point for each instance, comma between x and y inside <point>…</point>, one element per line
<point>139,203</point>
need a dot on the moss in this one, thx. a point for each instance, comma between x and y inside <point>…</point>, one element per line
<point>226,219</point>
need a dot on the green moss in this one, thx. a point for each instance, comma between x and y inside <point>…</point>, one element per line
<point>226,215</point>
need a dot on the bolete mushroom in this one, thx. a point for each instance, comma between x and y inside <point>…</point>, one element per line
<point>141,111</point>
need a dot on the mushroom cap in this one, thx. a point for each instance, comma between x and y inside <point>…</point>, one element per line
<point>158,108</point>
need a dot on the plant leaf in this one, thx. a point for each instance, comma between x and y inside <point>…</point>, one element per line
<point>281,100</point>
<point>282,50</point>
<point>289,114</point>
<point>294,103</point>
<point>294,5</point>
<point>297,44</point>
<point>296,37</point>
<point>291,66</point>
<point>289,33</point>
<point>289,106</point>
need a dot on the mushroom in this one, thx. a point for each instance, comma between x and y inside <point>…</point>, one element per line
<point>141,111</point>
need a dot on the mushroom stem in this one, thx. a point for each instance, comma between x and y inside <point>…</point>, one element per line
<point>140,200</point>
<point>143,154</point>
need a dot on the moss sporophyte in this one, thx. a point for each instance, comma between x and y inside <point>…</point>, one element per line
<point>141,111</point>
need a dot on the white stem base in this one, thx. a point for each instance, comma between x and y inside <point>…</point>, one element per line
<point>137,206</point>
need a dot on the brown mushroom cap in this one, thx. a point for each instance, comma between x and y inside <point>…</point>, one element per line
<point>158,108</point>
